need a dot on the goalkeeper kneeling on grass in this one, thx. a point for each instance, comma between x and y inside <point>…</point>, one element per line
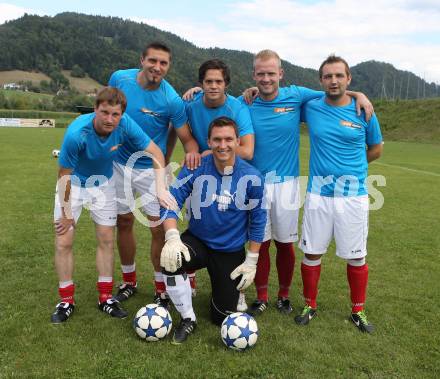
<point>226,196</point>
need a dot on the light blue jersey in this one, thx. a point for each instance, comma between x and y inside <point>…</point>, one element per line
<point>200,116</point>
<point>225,209</point>
<point>89,154</point>
<point>276,126</point>
<point>338,139</point>
<point>152,110</point>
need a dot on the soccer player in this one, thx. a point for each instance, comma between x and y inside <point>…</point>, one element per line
<point>341,146</point>
<point>225,213</point>
<point>85,177</point>
<point>213,102</point>
<point>153,104</point>
<point>275,114</point>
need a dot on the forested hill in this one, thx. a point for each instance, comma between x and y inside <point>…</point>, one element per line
<point>99,45</point>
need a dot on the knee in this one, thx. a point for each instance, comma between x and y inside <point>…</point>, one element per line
<point>63,244</point>
<point>157,233</point>
<point>313,257</point>
<point>125,222</point>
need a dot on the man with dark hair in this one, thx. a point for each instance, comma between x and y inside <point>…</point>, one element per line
<point>225,213</point>
<point>342,144</point>
<point>154,105</point>
<point>213,102</point>
<point>85,176</point>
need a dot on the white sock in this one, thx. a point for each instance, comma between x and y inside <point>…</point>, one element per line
<point>128,268</point>
<point>65,284</point>
<point>105,279</point>
<point>158,276</point>
<point>179,291</point>
<point>309,262</point>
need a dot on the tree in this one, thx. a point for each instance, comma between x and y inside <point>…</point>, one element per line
<point>77,71</point>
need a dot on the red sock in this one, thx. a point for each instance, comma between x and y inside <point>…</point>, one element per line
<point>310,277</point>
<point>358,280</point>
<point>67,293</point>
<point>160,287</point>
<point>129,278</point>
<point>105,290</point>
<point>285,267</point>
<point>263,269</point>
<point>192,279</point>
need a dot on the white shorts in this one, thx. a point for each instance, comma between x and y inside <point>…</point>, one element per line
<point>100,200</point>
<point>344,218</point>
<point>282,201</point>
<point>139,182</point>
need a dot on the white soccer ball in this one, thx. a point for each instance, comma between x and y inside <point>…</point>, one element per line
<point>55,153</point>
<point>239,331</point>
<point>152,322</point>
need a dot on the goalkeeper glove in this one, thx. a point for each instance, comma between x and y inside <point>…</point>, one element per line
<point>247,270</point>
<point>174,248</point>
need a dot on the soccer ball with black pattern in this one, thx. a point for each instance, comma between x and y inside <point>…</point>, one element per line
<point>152,322</point>
<point>239,331</point>
<point>55,153</point>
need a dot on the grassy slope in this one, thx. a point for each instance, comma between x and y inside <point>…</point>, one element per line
<point>412,121</point>
<point>404,271</point>
<point>15,76</point>
<point>83,85</point>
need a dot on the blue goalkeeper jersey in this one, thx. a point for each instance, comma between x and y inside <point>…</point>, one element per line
<point>90,155</point>
<point>153,110</point>
<point>200,116</point>
<point>225,209</point>
<point>338,140</point>
<point>276,125</point>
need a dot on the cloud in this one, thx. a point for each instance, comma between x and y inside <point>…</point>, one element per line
<point>404,33</point>
<point>11,12</point>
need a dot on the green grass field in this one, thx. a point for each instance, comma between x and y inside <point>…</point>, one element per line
<point>404,244</point>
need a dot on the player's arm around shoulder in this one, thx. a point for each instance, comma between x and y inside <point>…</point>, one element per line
<point>192,155</point>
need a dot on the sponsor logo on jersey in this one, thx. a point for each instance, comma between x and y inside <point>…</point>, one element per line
<point>224,200</point>
<point>350,124</point>
<point>284,110</point>
<point>149,112</point>
<point>116,147</point>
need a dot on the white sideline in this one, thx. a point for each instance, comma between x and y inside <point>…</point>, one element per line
<point>408,169</point>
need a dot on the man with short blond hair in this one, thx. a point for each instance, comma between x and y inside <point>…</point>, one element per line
<point>275,114</point>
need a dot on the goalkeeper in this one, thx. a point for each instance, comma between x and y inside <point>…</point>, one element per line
<point>226,196</point>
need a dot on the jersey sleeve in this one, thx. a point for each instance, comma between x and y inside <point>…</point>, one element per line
<point>258,215</point>
<point>113,81</point>
<point>244,121</point>
<point>135,134</point>
<point>307,94</point>
<point>373,133</point>
<point>177,112</point>
<point>180,189</point>
<point>70,150</point>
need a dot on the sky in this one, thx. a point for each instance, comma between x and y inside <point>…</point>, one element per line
<point>405,33</point>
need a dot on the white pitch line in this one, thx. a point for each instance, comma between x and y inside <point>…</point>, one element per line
<point>408,169</point>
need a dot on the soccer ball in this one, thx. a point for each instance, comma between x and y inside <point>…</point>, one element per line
<point>55,153</point>
<point>239,331</point>
<point>152,322</point>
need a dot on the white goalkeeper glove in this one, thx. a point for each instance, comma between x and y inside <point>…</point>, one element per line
<point>247,270</point>
<point>174,248</point>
